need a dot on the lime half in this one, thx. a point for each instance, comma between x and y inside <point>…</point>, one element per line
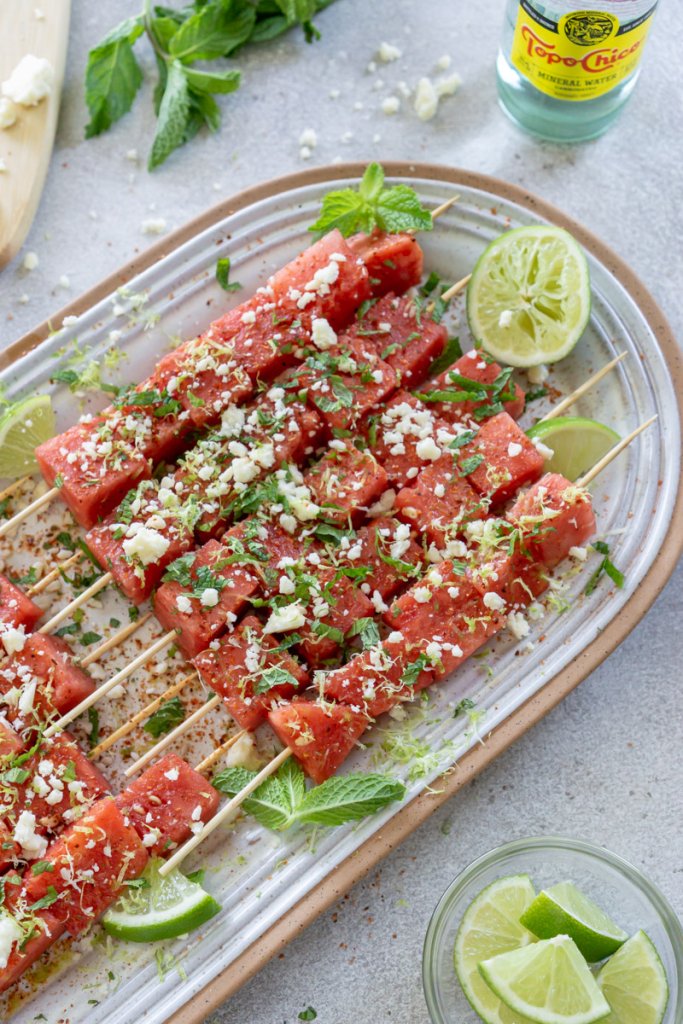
<point>548,982</point>
<point>576,443</point>
<point>491,926</point>
<point>634,983</point>
<point>23,427</point>
<point>529,299</point>
<point>159,908</point>
<point>564,910</point>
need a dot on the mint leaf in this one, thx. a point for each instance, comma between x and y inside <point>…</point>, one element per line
<point>94,720</point>
<point>308,1014</point>
<point>269,804</point>
<point>297,11</point>
<point>174,124</point>
<point>367,629</point>
<point>450,354</point>
<point>274,676</point>
<point>293,782</point>
<point>165,718</point>
<point>112,76</point>
<point>212,32</point>
<point>223,275</point>
<point>606,566</point>
<point>213,81</point>
<point>348,797</point>
<point>372,206</point>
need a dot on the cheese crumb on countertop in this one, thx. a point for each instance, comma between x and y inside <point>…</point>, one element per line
<point>538,374</point>
<point>387,53</point>
<point>30,82</point>
<point>154,226</point>
<point>8,113</point>
<point>391,105</point>
<point>31,261</point>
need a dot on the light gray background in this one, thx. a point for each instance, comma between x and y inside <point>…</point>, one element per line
<point>606,764</point>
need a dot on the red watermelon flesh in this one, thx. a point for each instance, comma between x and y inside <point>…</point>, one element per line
<point>476,366</point>
<point>16,609</point>
<point>440,503</point>
<point>321,736</point>
<point>408,340</point>
<point>554,516</point>
<point>345,482</point>
<point>394,262</point>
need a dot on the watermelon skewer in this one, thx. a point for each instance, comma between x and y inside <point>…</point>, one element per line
<point>356,721</point>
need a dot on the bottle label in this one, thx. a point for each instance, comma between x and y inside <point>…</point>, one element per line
<point>579,57</point>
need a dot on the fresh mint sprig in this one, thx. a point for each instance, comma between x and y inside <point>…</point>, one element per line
<point>283,800</point>
<point>184,94</point>
<point>371,205</point>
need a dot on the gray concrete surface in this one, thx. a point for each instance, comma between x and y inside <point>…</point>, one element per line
<point>606,764</point>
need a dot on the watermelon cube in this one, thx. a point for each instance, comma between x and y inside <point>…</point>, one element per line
<point>10,744</point>
<point>345,482</point>
<point>44,929</point>
<point>499,392</point>
<point>91,862</point>
<point>167,804</point>
<point>554,516</point>
<point>248,671</point>
<point>405,436</point>
<point>320,735</point>
<point>407,339</point>
<point>388,549</point>
<point>499,460</point>
<point>40,680</point>
<point>394,262</point>
<point>327,280</point>
<point>94,465</point>
<point>440,503</point>
<point>16,609</point>
<point>202,595</point>
<point>335,604</point>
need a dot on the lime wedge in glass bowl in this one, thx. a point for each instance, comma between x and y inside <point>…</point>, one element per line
<point>159,907</point>
<point>564,910</point>
<point>529,297</point>
<point>491,926</point>
<point>549,982</point>
<point>634,983</point>
<point>24,426</point>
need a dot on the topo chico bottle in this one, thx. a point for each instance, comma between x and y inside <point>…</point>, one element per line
<point>565,71</point>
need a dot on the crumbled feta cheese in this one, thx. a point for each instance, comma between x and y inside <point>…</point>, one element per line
<point>146,545</point>
<point>517,625</point>
<point>388,53</point>
<point>448,86</point>
<point>422,595</point>
<point>580,554</point>
<point>8,113</point>
<point>308,138</point>
<point>64,282</point>
<point>505,318</point>
<point>172,774</point>
<point>10,933</point>
<point>291,616</point>
<point>33,846</point>
<point>538,374</point>
<point>443,63</point>
<point>426,100</point>
<point>514,449</point>
<point>243,754</point>
<point>542,449</point>
<point>13,638</point>
<point>154,226</point>
<point>324,337</point>
<point>132,155</point>
<point>30,82</point>
<point>31,261</point>
<point>427,448</point>
<point>209,598</point>
<point>391,105</point>
<point>248,317</point>
<point>494,601</point>
<point>286,586</point>
<point>395,636</point>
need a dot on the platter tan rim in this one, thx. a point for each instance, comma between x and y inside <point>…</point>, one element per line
<point>358,864</point>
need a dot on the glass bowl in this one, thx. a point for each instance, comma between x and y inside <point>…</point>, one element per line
<point>614,884</point>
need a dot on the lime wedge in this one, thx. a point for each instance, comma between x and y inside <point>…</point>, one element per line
<point>159,908</point>
<point>576,443</point>
<point>634,983</point>
<point>564,910</point>
<point>548,982</point>
<point>491,926</point>
<point>528,300</point>
<point>23,427</point>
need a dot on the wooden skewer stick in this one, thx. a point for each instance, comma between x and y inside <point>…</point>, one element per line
<point>16,484</point>
<point>436,213</point>
<point>170,737</point>
<point>455,288</point>
<point>612,453</point>
<point>114,640</point>
<point>165,641</point>
<point>83,598</point>
<point>224,813</point>
<point>141,715</point>
<point>217,754</point>
<point>581,390</point>
<point>54,574</point>
<point>35,506</point>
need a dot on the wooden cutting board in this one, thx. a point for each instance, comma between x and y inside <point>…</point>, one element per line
<point>26,146</point>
